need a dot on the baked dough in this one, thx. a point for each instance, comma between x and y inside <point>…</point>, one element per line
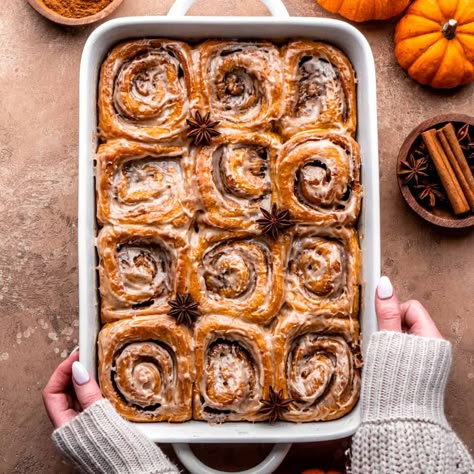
<point>234,175</point>
<point>143,183</point>
<point>147,89</point>
<point>319,89</point>
<point>316,364</point>
<point>276,312</point>
<point>146,368</point>
<point>141,268</point>
<point>318,178</point>
<point>238,274</point>
<point>233,370</point>
<point>240,83</point>
<point>323,270</point>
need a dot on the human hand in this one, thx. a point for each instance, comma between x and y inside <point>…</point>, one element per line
<point>410,317</point>
<point>70,390</point>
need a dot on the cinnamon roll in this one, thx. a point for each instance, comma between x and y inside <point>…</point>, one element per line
<point>234,176</point>
<point>139,183</point>
<point>317,365</point>
<point>141,268</point>
<point>238,274</point>
<point>233,370</point>
<point>319,89</point>
<point>323,270</point>
<point>241,83</point>
<point>318,178</point>
<point>146,90</point>
<point>146,368</point>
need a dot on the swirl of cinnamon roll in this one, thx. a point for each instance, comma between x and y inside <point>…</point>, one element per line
<point>140,183</point>
<point>238,274</point>
<point>319,89</point>
<point>233,370</point>
<point>234,177</point>
<point>140,269</point>
<point>146,368</point>
<point>147,90</point>
<point>318,178</point>
<point>316,366</point>
<point>241,83</point>
<point>323,270</point>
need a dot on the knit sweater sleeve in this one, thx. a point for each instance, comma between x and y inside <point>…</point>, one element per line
<point>99,441</point>
<point>404,428</point>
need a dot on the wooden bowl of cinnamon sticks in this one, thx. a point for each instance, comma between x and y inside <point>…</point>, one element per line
<point>435,170</point>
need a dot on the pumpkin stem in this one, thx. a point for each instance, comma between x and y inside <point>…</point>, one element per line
<point>449,29</point>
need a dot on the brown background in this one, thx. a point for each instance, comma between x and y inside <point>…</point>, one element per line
<point>39,65</point>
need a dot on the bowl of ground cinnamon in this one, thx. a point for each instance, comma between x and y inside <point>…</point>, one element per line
<point>75,12</point>
<point>435,170</point>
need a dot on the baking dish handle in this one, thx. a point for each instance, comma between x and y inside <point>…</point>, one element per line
<point>275,7</point>
<point>267,466</point>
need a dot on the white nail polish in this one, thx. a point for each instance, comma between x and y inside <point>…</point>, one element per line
<point>74,350</point>
<point>384,288</point>
<point>79,373</point>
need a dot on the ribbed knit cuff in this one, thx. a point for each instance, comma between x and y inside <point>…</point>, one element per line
<point>99,441</point>
<point>404,378</point>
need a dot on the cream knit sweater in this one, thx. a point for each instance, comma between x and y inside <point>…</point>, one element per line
<point>403,430</point>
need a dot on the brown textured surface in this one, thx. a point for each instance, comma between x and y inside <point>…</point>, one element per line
<point>39,64</point>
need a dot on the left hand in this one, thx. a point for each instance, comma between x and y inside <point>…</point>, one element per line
<point>70,390</point>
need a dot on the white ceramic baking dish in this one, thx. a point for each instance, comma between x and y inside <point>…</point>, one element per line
<point>279,27</point>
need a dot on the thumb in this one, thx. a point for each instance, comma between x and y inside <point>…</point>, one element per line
<point>86,388</point>
<point>388,311</point>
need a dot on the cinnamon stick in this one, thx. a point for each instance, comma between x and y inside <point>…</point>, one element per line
<point>448,178</point>
<point>453,150</point>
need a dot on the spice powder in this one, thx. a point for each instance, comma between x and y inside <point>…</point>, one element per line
<point>76,8</point>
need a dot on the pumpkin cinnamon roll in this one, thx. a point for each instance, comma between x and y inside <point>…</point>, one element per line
<point>318,178</point>
<point>317,365</point>
<point>319,89</point>
<point>233,370</point>
<point>323,270</point>
<point>238,274</point>
<point>234,176</point>
<point>241,83</point>
<point>141,268</point>
<point>146,368</point>
<point>146,90</point>
<point>140,183</point>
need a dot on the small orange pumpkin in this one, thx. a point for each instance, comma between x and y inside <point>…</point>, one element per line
<point>434,42</point>
<point>364,10</point>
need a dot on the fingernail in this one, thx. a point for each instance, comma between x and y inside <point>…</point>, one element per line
<point>79,373</point>
<point>384,288</point>
<point>74,350</point>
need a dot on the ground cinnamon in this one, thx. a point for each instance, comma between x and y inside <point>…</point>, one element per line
<point>448,178</point>
<point>76,8</point>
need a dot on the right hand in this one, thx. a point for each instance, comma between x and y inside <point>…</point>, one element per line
<point>410,317</point>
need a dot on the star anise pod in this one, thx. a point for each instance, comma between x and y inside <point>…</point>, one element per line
<point>413,168</point>
<point>463,132</point>
<point>275,222</point>
<point>430,192</point>
<point>202,129</point>
<point>184,309</point>
<point>275,406</point>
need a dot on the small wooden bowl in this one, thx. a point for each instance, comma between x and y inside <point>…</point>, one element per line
<point>39,6</point>
<point>442,216</point>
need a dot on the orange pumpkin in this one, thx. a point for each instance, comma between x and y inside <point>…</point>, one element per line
<point>364,10</point>
<point>434,42</point>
